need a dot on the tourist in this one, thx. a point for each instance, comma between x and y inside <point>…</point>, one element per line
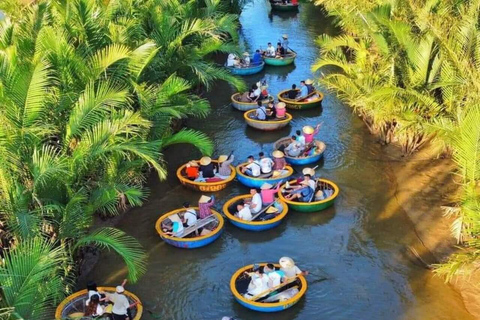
<point>303,90</point>
<point>255,93</point>
<point>303,192</point>
<point>94,309</point>
<point>258,283</point>
<point>271,111</point>
<point>266,163</point>
<point>252,168</point>
<point>224,170</point>
<point>275,277</point>
<point>172,228</point>
<point>207,168</point>
<point>121,305</point>
<point>257,58</point>
<point>281,112</point>
<point>294,149</point>
<point>287,265</point>
<point>309,85</point>
<point>231,60</point>
<point>277,204</point>
<point>309,132</point>
<point>204,206</point>
<point>300,138</point>
<point>92,290</point>
<point>285,42</point>
<point>246,59</point>
<point>190,216</point>
<point>192,170</point>
<point>279,160</point>
<point>243,212</point>
<point>270,52</point>
<point>280,52</point>
<point>255,203</point>
<point>292,93</point>
<point>260,112</point>
<point>268,193</point>
<point>264,91</point>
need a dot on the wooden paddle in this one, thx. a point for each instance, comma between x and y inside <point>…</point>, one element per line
<point>306,97</point>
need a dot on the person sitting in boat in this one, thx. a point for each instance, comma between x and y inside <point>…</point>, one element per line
<point>268,192</point>
<point>191,169</point>
<point>255,203</point>
<point>299,137</point>
<point>309,85</point>
<point>190,216</point>
<point>224,170</point>
<point>243,211</point>
<point>323,194</point>
<point>287,265</point>
<point>266,163</point>
<point>232,58</point>
<point>207,168</point>
<point>205,206</point>
<point>303,91</point>
<point>252,168</point>
<point>281,112</point>
<point>279,160</point>
<point>257,58</point>
<point>280,52</point>
<point>292,93</point>
<point>294,149</point>
<point>271,111</point>
<point>263,88</point>
<point>275,277</point>
<point>284,42</point>
<point>270,51</point>
<point>260,112</point>
<point>258,283</point>
<point>94,308</point>
<point>255,93</point>
<point>246,60</point>
<point>93,290</point>
<point>121,305</point>
<point>302,192</point>
<point>172,228</point>
<point>309,132</point>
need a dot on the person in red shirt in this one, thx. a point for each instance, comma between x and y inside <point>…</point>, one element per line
<point>192,170</point>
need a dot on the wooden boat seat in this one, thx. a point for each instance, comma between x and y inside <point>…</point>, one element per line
<point>200,223</point>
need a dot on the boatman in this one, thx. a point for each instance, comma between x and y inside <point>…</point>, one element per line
<point>284,42</point>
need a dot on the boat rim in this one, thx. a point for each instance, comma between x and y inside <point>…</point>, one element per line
<point>288,115</point>
<point>315,155</point>
<point>247,103</point>
<point>61,306</point>
<point>279,96</point>
<point>237,295</point>
<point>249,67</point>
<point>288,56</point>
<point>162,234</point>
<point>253,223</point>
<point>216,183</point>
<point>237,168</point>
<point>298,203</point>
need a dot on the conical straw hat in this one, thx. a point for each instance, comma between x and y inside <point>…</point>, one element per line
<point>222,158</point>
<point>205,161</point>
<point>308,129</point>
<point>246,54</point>
<point>278,154</point>
<point>193,163</point>
<point>272,210</point>
<point>204,199</point>
<point>309,81</point>
<point>309,171</point>
<point>266,186</point>
<point>285,36</point>
<point>286,262</point>
<point>281,105</point>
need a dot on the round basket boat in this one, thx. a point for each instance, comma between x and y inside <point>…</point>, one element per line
<point>287,59</point>
<point>245,106</point>
<point>266,125</point>
<point>204,186</point>
<point>215,223</point>
<point>73,307</point>
<point>246,71</point>
<point>239,284</point>
<point>295,161</point>
<point>255,224</point>
<point>312,206</point>
<point>293,104</point>
<point>253,182</point>
<point>284,7</point>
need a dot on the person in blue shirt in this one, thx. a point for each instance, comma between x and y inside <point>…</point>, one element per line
<point>261,111</point>
<point>172,228</point>
<point>257,58</point>
<point>303,89</point>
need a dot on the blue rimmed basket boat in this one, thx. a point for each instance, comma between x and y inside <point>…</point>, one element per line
<point>194,242</point>
<point>236,282</point>
<point>253,182</point>
<point>295,161</point>
<point>255,225</point>
<point>246,71</point>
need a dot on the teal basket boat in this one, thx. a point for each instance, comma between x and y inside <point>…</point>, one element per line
<point>287,59</point>
<point>313,206</point>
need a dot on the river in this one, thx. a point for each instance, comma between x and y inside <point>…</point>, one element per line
<point>359,244</point>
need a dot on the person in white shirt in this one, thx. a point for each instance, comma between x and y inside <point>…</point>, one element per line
<point>246,59</point>
<point>256,202</point>
<point>231,60</point>
<point>266,163</point>
<point>244,212</point>
<point>275,276</point>
<point>270,52</point>
<point>252,169</point>
<point>258,283</point>
<point>190,216</point>
<point>94,309</point>
<point>287,265</point>
<point>121,305</point>
<point>300,138</point>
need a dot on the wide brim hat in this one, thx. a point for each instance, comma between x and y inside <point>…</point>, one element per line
<point>278,154</point>
<point>204,199</point>
<point>308,129</point>
<point>285,36</point>
<point>281,105</point>
<point>272,210</point>
<point>309,81</point>
<point>222,158</point>
<point>205,161</point>
<point>119,289</point>
<point>266,186</point>
<point>276,174</point>
<point>193,163</point>
<point>286,262</point>
<point>309,171</point>
<point>246,54</point>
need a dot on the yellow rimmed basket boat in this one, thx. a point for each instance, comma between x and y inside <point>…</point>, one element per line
<point>245,106</point>
<point>239,284</point>
<point>313,206</point>
<point>257,182</point>
<point>297,161</point>
<point>299,105</point>
<point>255,224</point>
<point>73,307</point>
<point>266,125</point>
<point>215,223</point>
<point>204,186</point>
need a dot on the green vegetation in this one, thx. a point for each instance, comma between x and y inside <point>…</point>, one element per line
<point>89,93</point>
<point>411,70</point>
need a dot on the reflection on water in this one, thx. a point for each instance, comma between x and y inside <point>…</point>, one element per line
<point>358,244</point>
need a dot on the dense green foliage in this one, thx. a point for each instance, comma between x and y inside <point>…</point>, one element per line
<point>411,70</point>
<point>89,91</point>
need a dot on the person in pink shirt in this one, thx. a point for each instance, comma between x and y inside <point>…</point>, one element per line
<point>309,133</point>
<point>204,204</point>
<point>268,194</point>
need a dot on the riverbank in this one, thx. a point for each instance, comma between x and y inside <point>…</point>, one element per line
<point>423,183</point>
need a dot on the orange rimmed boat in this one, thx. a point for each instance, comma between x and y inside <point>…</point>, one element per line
<point>204,186</point>
<point>74,306</point>
<point>299,105</point>
<point>266,125</point>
